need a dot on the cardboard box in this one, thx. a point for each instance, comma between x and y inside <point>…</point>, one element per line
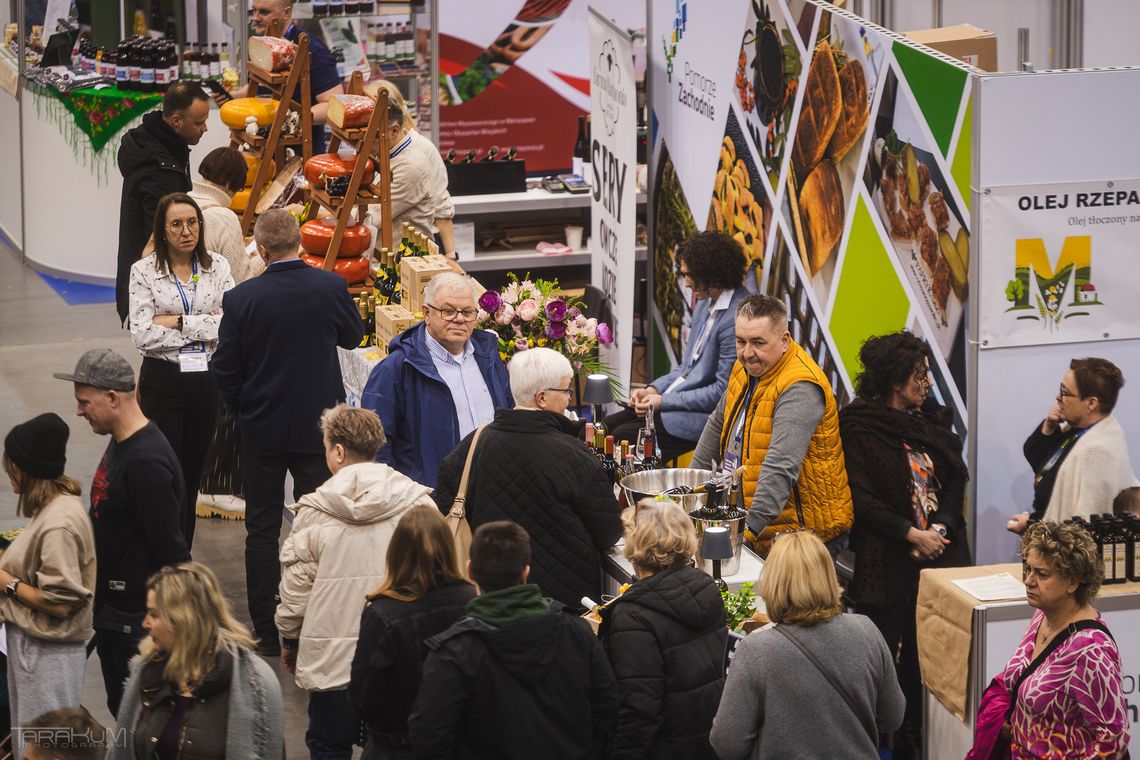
<point>977,47</point>
<point>391,320</point>
<point>415,273</point>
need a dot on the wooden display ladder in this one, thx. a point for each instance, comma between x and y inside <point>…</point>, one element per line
<point>369,142</point>
<point>270,150</point>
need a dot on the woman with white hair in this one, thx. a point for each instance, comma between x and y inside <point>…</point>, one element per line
<point>530,467</point>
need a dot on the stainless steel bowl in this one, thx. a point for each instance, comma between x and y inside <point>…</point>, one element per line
<point>651,483</point>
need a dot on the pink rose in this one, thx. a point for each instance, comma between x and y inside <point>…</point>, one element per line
<point>528,310</point>
<point>605,336</point>
<point>505,314</point>
<point>520,344</point>
<point>590,328</point>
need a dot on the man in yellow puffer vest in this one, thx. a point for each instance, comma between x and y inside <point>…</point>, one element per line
<point>779,420</point>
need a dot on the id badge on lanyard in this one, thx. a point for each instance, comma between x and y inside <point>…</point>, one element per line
<point>732,453</point>
<point>191,357</point>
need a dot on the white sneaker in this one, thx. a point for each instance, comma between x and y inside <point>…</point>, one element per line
<point>220,505</point>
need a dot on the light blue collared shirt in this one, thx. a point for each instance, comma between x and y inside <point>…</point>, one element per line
<point>473,404</point>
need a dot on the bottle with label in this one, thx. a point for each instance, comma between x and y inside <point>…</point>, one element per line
<point>320,8</point>
<point>135,59</point>
<point>146,66</point>
<point>609,462</point>
<point>390,43</point>
<point>1104,548</point>
<point>215,62</point>
<point>161,68</point>
<point>362,310</point>
<point>1118,534</point>
<point>600,444</point>
<point>650,459</point>
<point>336,7</point>
<point>588,437</point>
<point>225,56</point>
<point>1132,565</point>
<point>579,156</point>
<point>122,66</point>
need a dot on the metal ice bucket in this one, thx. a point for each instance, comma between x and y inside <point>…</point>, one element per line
<point>650,483</point>
<point>736,536</point>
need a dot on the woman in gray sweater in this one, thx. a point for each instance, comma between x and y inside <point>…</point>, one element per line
<point>776,702</point>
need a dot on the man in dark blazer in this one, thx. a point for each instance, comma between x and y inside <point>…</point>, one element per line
<point>277,369</point>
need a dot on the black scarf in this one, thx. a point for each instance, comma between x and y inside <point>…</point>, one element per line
<point>928,430</point>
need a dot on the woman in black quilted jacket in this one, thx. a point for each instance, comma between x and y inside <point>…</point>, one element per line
<point>666,638</point>
<point>531,468</point>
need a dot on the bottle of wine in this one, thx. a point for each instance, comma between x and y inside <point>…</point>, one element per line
<point>650,460</point>
<point>215,62</point>
<point>1119,537</point>
<point>135,59</point>
<point>146,66</point>
<point>588,437</point>
<point>579,155</point>
<point>1103,547</point>
<point>1132,566</point>
<point>600,444</point>
<point>123,65</point>
<point>609,462</point>
<point>624,461</point>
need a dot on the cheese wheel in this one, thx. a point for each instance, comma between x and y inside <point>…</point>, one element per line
<point>234,112</point>
<point>271,53</point>
<point>335,165</point>
<point>253,162</point>
<point>317,234</point>
<point>350,111</point>
<point>354,271</point>
<point>239,201</point>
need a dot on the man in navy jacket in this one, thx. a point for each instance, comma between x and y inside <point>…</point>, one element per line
<point>440,381</point>
<point>277,369</point>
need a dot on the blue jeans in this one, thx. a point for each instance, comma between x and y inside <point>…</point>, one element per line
<point>333,726</point>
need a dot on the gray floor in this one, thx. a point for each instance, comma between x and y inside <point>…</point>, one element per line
<point>40,334</point>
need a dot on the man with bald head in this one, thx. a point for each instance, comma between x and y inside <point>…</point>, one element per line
<point>440,381</point>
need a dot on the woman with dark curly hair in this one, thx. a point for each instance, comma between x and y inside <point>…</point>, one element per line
<point>712,264</point>
<point>908,483</point>
<point>1061,693</point>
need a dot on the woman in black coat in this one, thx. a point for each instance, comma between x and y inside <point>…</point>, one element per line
<point>424,593</point>
<point>908,483</point>
<point>665,637</point>
<point>531,468</point>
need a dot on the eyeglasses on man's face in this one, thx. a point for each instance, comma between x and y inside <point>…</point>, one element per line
<point>450,315</point>
<point>568,391</point>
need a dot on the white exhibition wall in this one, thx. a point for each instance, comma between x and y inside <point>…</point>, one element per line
<point>1023,139</point>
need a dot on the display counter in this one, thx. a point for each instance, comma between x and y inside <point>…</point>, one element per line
<point>963,643</point>
<point>618,570</point>
<point>71,191</point>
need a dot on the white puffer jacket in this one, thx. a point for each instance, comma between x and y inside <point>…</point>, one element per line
<point>333,557</point>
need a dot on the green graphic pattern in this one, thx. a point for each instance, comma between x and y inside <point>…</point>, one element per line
<point>963,155</point>
<point>937,88</point>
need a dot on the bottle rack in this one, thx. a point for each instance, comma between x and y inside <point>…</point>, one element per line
<point>370,141</point>
<point>270,150</point>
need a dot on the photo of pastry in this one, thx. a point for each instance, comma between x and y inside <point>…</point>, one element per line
<point>674,225</point>
<point>787,282</point>
<point>928,232</point>
<point>826,152</point>
<point>740,206</point>
<point>767,78</point>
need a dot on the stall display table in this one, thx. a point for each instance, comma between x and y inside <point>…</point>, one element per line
<point>963,643</point>
<point>618,569</point>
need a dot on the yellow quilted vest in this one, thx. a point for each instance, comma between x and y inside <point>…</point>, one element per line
<point>823,488</point>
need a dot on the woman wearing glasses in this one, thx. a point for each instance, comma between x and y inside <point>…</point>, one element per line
<point>1078,453</point>
<point>908,483</point>
<point>530,467</point>
<point>175,308</point>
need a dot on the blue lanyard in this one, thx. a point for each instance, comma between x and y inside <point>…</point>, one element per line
<point>188,306</point>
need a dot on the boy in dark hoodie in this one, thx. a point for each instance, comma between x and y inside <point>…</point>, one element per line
<point>517,677</point>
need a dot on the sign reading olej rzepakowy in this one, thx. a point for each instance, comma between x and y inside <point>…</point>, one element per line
<point>613,159</point>
<point>1060,263</point>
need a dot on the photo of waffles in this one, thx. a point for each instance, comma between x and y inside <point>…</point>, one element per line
<point>928,232</point>
<point>740,206</point>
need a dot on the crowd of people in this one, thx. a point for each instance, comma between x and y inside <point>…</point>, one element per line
<point>414,644</point>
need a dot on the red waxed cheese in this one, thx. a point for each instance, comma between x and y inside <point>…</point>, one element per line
<point>354,270</point>
<point>271,53</point>
<point>334,165</point>
<point>317,235</point>
<point>350,111</point>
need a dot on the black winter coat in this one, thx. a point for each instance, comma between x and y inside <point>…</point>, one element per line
<point>879,474</point>
<point>538,688</point>
<point>389,657</point>
<point>207,720</point>
<point>529,468</point>
<point>154,161</point>
<point>666,638</point>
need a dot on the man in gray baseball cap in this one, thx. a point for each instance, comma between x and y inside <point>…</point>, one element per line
<point>136,508</point>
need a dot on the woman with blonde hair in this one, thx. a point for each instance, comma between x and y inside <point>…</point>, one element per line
<point>665,637</point>
<point>48,574</point>
<point>424,593</point>
<point>197,689</point>
<point>819,669</point>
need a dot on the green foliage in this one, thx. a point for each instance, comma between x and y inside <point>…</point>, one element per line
<point>1014,291</point>
<point>738,606</point>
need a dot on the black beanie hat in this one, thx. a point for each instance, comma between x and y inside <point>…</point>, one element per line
<point>39,446</point>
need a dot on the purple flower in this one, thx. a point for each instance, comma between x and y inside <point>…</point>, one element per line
<point>574,313</point>
<point>556,310</point>
<point>605,337</point>
<point>555,330</point>
<point>490,301</point>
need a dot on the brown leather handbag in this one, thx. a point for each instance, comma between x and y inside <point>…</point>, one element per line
<point>457,517</point>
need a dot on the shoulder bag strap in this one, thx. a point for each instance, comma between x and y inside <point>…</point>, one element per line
<point>831,679</point>
<point>1059,639</point>
<point>457,507</point>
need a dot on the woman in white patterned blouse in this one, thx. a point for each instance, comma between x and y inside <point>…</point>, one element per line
<point>175,309</point>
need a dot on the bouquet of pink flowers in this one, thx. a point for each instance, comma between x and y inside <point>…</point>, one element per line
<point>529,313</point>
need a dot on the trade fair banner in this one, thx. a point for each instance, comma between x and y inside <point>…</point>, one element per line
<point>516,74</point>
<point>1060,263</point>
<point>613,207</point>
<point>837,154</point>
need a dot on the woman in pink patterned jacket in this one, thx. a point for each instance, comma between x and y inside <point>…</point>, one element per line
<point>1071,705</point>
